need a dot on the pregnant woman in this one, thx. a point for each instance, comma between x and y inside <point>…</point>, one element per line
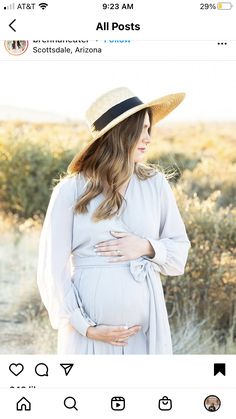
<point>112,226</point>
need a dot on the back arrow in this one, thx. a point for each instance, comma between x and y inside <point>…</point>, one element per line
<point>11,24</point>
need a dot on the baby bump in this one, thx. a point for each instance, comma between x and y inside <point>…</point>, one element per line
<point>111,296</point>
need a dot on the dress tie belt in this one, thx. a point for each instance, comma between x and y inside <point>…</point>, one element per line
<point>140,268</point>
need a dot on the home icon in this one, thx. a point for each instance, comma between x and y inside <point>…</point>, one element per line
<point>23,404</point>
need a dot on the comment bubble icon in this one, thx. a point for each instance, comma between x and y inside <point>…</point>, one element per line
<point>41,370</point>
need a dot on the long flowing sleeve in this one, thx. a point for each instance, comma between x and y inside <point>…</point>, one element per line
<point>171,249</point>
<point>56,288</point>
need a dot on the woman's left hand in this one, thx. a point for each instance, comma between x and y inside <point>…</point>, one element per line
<point>129,246</point>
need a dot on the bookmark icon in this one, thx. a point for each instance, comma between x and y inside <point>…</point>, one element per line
<point>67,367</point>
<point>219,368</point>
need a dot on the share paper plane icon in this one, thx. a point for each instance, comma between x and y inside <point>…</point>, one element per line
<point>67,368</point>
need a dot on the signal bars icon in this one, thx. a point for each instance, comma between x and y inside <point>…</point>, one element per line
<point>43,5</point>
<point>9,7</point>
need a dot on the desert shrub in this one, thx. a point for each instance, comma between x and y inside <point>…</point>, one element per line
<point>27,171</point>
<point>176,162</point>
<point>198,140</point>
<point>209,283</point>
<point>29,164</point>
<point>210,176</point>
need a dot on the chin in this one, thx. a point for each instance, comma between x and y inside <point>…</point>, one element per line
<point>138,159</point>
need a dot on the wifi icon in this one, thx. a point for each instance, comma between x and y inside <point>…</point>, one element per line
<point>43,5</point>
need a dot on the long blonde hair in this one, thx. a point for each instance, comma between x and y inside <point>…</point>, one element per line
<point>109,160</point>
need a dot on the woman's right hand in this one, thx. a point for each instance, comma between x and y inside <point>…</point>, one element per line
<point>115,335</point>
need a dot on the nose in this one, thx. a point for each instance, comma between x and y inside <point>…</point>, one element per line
<point>146,138</point>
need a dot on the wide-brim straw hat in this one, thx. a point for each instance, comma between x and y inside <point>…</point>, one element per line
<point>118,104</point>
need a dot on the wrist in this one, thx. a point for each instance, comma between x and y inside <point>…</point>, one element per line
<point>90,332</point>
<point>148,249</point>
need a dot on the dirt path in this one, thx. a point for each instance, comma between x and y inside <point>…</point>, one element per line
<point>24,329</point>
<point>15,336</point>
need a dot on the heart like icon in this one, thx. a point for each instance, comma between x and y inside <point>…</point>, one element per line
<point>16,369</point>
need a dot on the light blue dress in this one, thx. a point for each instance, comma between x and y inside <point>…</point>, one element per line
<point>80,288</point>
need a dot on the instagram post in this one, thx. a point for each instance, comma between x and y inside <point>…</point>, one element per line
<point>117,207</point>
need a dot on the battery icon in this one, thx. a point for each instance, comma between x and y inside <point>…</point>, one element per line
<point>225,5</point>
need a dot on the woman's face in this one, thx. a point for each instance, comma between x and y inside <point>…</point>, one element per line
<point>144,140</point>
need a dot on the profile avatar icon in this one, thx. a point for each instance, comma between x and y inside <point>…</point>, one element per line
<point>212,403</point>
<point>16,47</point>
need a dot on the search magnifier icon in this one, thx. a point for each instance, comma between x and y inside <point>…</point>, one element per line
<point>70,403</point>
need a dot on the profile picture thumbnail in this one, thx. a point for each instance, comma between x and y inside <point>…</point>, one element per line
<point>16,47</point>
<point>212,403</point>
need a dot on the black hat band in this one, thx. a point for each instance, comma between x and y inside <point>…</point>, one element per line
<point>115,111</point>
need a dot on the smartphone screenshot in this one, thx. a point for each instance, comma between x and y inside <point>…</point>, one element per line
<point>117,209</point>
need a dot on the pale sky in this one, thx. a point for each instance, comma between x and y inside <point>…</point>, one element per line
<point>69,87</point>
